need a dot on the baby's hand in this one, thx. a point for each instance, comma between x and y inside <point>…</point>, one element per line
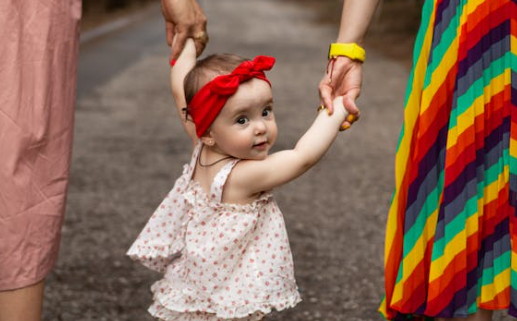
<point>338,107</point>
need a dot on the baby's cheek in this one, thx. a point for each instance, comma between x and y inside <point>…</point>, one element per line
<point>274,134</point>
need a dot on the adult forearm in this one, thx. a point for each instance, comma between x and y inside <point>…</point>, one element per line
<point>355,19</point>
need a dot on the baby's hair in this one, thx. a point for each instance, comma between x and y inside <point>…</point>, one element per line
<point>207,69</point>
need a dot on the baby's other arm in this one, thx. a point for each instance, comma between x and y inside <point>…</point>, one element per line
<point>258,176</point>
<point>184,64</point>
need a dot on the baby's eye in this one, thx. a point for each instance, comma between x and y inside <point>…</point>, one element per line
<point>267,111</point>
<point>242,120</point>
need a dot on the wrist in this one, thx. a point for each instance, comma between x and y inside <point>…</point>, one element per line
<point>350,39</point>
<point>351,50</point>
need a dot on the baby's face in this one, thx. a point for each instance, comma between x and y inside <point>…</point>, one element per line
<point>246,126</point>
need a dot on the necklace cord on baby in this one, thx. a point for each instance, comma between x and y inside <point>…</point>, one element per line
<point>213,163</point>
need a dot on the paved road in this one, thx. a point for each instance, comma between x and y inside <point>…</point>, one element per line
<point>129,148</point>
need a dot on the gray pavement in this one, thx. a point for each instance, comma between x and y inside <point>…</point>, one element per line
<point>129,149</point>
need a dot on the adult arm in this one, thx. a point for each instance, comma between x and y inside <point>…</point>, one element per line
<point>344,75</point>
<point>355,20</point>
<point>184,19</point>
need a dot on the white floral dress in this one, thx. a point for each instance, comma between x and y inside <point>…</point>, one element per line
<point>221,261</point>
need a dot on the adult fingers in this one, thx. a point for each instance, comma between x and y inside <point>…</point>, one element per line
<point>326,95</point>
<point>200,46</point>
<point>179,42</point>
<point>351,108</point>
<point>200,34</point>
<point>344,126</point>
<point>200,41</point>
<point>169,32</point>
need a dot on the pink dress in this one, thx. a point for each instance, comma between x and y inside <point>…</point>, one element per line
<point>38,79</point>
<point>220,261</point>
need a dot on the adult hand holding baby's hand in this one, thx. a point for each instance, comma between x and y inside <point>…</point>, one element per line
<point>184,19</point>
<point>343,78</point>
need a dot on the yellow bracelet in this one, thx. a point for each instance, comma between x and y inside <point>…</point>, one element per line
<point>350,50</point>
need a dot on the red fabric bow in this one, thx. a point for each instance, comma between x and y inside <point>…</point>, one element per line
<point>211,98</point>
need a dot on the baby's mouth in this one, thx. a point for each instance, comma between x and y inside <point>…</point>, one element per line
<point>262,144</point>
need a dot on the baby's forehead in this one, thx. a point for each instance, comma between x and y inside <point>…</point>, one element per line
<point>253,91</point>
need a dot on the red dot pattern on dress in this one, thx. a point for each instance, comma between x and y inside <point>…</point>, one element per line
<point>221,261</point>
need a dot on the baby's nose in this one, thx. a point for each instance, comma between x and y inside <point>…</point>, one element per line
<point>260,127</point>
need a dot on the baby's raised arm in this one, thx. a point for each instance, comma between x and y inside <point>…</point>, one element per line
<point>184,64</point>
<point>256,176</point>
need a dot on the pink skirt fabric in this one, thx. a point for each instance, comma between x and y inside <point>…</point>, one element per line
<point>38,59</point>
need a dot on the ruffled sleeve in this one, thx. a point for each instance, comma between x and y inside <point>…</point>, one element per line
<point>163,237</point>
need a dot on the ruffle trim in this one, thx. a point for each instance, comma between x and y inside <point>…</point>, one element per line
<point>156,257</point>
<point>163,314</point>
<point>180,300</point>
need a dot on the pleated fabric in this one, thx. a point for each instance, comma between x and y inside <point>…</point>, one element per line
<point>451,236</point>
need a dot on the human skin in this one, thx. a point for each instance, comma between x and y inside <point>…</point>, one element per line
<point>22,304</point>
<point>346,73</point>
<point>184,19</point>
<point>253,176</point>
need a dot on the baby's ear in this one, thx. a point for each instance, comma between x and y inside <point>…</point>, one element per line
<point>207,139</point>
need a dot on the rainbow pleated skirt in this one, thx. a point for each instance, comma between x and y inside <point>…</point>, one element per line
<point>451,237</point>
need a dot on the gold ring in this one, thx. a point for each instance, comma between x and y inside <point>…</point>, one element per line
<point>321,107</point>
<point>200,36</point>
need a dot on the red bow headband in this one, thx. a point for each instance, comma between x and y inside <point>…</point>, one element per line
<point>210,99</point>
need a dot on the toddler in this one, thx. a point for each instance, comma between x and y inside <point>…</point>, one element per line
<point>218,236</point>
